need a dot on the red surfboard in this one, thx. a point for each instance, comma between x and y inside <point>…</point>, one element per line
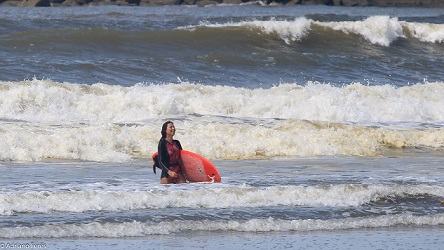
<point>197,168</point>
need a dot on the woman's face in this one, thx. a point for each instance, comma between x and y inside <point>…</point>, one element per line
<point>170,130</point>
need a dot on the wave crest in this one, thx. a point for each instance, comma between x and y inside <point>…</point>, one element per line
<point>379,30</point>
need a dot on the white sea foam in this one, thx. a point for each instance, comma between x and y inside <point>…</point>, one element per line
<point>427,32</point>
<point>289,31</point>
<point>82,201</point>
<point>379,30</point>
<point>44,119</point>
<point>139,229</point>
<point>47,101</point>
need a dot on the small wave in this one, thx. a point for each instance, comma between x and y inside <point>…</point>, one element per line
<point>335,196</point>
<point>139,229</point>
<point>381,30</point>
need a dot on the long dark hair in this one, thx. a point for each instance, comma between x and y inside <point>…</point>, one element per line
<point>164,128</point>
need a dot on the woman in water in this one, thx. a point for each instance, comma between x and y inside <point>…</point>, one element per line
<point>169,155</point>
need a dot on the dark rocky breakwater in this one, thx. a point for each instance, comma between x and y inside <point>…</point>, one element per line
<point>376,3</point>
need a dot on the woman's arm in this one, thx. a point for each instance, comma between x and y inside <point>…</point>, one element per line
<point>163,156</point>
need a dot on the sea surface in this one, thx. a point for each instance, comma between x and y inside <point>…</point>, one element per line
<point>326,124</point>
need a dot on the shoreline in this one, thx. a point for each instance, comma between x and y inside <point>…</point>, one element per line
<point>366,239</point>
<point>201,3</point>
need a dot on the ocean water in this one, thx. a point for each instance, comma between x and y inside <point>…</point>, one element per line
<point>326,124</point>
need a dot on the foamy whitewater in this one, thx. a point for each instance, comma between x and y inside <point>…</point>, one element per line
<point>326,124</point>
<point>44,119</point>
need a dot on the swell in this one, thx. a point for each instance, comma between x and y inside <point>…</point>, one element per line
<point>251,54</point>
<point>377,30</point>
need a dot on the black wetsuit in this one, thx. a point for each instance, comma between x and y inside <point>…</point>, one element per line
<point>168,158</point>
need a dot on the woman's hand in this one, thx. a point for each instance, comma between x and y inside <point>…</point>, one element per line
<point>172,173</point>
